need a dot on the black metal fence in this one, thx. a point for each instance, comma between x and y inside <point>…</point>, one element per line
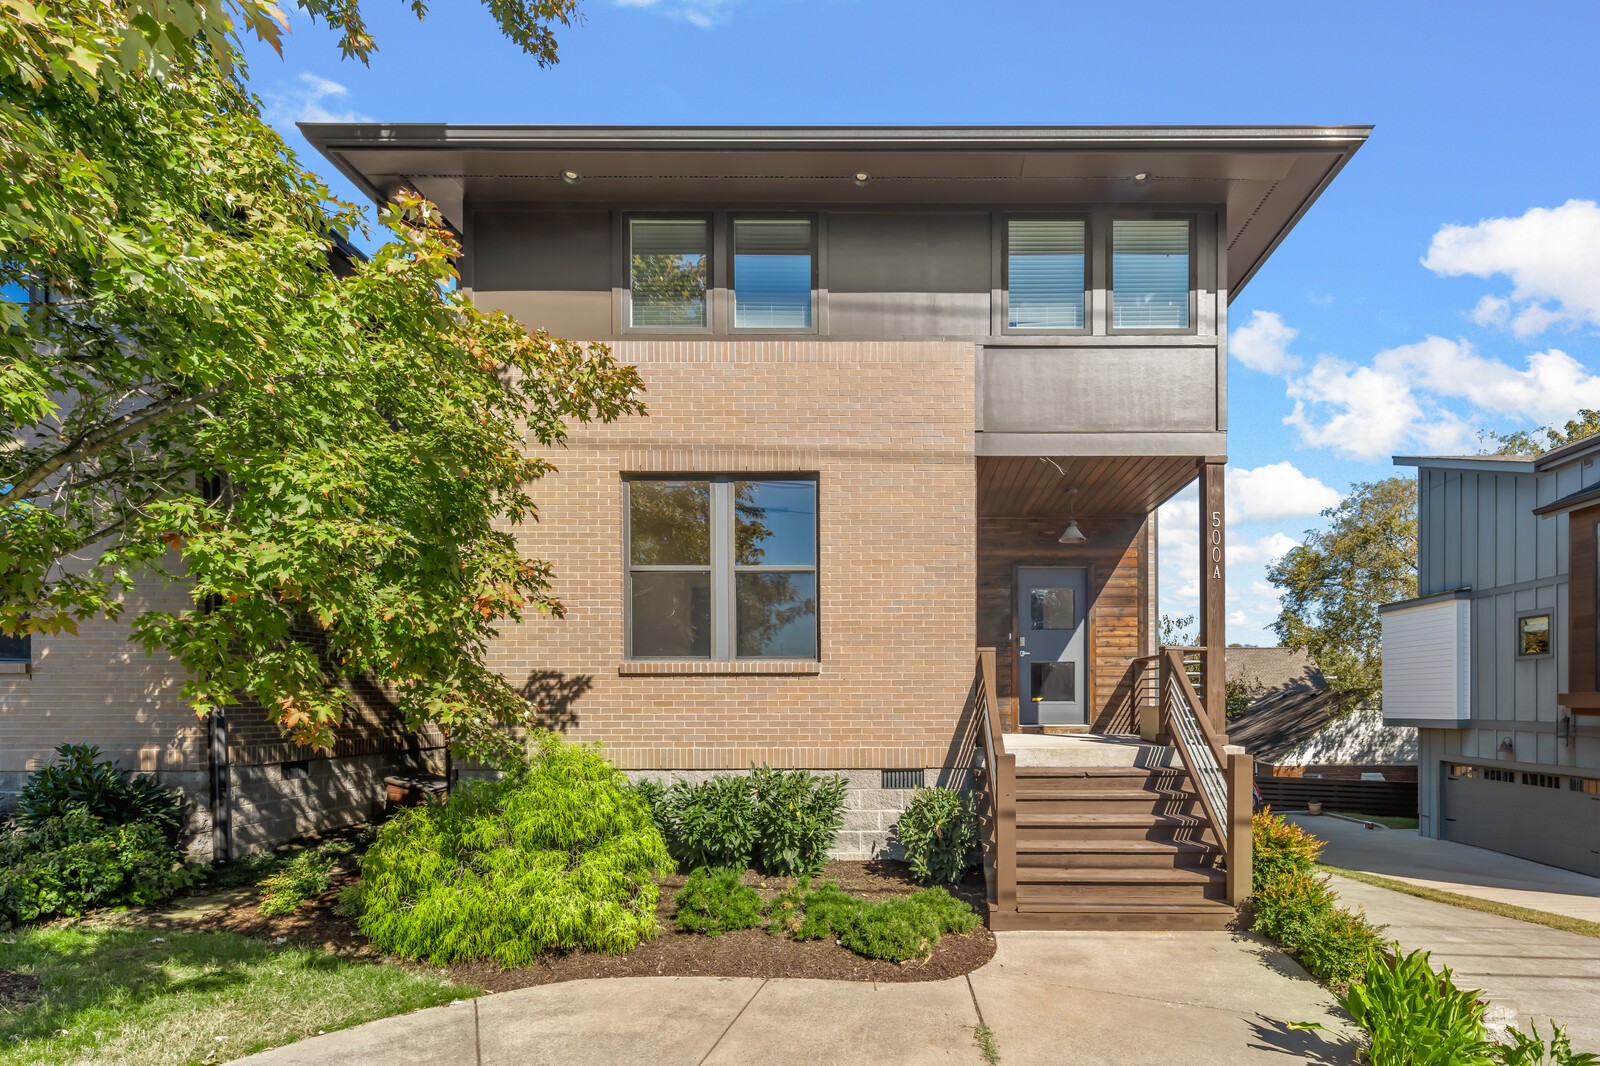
<point>1394,799</point>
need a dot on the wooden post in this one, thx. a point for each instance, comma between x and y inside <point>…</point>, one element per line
<point>1213,590</point>
<point>1240,773</point>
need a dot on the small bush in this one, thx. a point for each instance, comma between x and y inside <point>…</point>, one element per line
<point>939,834</point>
<point>1414,1016</point>
<point>1278,846</point>
<point>306,875</point>
<point>711,822</point>
<point>75,863</point>
<point>559,854</point>
<point>797,815</point>
<point>898,929</point>
<point>1531,1049</point>
<point>715,902</point>
<point>1295,907</point>
<point>78,777</point>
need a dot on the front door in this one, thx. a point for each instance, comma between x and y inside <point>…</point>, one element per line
<point>1051,676</point>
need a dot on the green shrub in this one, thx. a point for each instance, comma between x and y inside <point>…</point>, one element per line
<point>559,854</point>
<point>1416,1017</point>
<point>1278,846</point>
<point>78,777</point>
<point>939,835</point>
<point>1295,907</point>
<point>898,929</point>
<point>711,822</point>
<point>1531,1049</point>
<point>715,902</point>
<point>906,927</point>
<point>307,874</point>
<point>797,815</point>
<point>74,863</point>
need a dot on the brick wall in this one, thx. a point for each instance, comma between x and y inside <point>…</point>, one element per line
<point>887,429</point>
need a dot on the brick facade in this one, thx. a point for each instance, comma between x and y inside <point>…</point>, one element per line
<point>887,429</point>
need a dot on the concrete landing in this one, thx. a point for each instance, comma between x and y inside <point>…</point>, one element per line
<point>1087,749</point>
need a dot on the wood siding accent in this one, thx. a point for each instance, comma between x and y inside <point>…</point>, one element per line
<point>1119,627</point>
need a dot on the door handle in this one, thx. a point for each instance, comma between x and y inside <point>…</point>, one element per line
<point>1023,652</point>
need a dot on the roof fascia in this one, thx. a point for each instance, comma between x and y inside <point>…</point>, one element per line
<point>1481,464</point>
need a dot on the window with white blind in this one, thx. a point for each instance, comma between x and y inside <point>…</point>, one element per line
<point>1044,274</point>
<point>669,265</point>
<point>773,273</point>
<point>1150,273</point>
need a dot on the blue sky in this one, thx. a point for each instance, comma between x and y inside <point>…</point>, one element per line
<point>1448,282</point>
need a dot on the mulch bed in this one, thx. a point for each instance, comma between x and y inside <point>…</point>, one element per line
<point>16,989</point>
<point>749,953</point>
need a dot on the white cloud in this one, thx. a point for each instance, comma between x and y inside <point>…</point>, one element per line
<point>1276,491</point>
<point>1262,343</point>
<point>1550,255</point>
<point>1398,402</point>
<point>1262,551</point>
<point>1491,311</point>
<point>706,14</point>
<point>312,99</point>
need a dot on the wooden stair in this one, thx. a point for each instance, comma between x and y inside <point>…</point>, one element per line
<point>1116,847</point>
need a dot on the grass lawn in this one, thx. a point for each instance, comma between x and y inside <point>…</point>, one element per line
<point>1472,903</point>
<point>127,993</point>
<point>1382,819</point>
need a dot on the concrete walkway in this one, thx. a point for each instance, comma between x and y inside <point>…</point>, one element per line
<point>1084,998</point>
<point>1459,868</point>
<point>1532,970</point>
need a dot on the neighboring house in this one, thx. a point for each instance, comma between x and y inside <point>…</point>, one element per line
<point>1495,660</point>
<point>1297,727</point>
<point>912,393</point>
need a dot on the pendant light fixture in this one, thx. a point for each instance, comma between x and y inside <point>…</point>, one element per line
<point>1072,535</point>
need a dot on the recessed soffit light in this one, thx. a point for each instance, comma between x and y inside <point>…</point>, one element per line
<point>861,177</point>
<point>571,177</point>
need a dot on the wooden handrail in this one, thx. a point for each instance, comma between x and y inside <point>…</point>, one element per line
<point>1000,791</point>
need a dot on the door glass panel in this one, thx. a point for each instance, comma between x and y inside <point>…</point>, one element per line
<point>775,523</point>
<point>671,615</point>
<point>1052,609</point>
<point>669,523</point>
<point>777,615</point>
<point>1054,682</point>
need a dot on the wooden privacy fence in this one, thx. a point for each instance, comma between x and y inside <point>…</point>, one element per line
<point>1394,799</point>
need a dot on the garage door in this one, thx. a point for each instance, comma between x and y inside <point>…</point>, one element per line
<point>1549,818</point>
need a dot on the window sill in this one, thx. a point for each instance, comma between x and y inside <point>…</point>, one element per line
<point>703,667</point>
<point>10,668</point>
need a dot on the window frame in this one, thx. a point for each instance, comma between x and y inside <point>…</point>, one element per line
<point>1516,634</point>
<point>732,239</point>
<point>26,658</point>
<point>1193,221</point>
<point>724,570</point>
<point>1002,323</point>
<point>712,260</point>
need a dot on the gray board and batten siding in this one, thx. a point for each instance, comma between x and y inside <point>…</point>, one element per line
<point>1478,535</point>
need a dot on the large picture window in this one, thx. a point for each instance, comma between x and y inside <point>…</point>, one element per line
<point>773,273</point>
<point>669,266</point>
<point>1044,274</point>
<point>722,568</point>
<point>1150,273</point>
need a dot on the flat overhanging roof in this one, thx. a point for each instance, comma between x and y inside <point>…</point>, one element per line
<point>1265,176</point>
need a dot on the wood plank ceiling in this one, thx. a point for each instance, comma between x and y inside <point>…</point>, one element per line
<point>1025,486</point>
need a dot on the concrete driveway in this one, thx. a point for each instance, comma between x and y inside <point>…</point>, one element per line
<point>1533,971</point>
<point>1459,868</point>
<point>1084,998</point>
